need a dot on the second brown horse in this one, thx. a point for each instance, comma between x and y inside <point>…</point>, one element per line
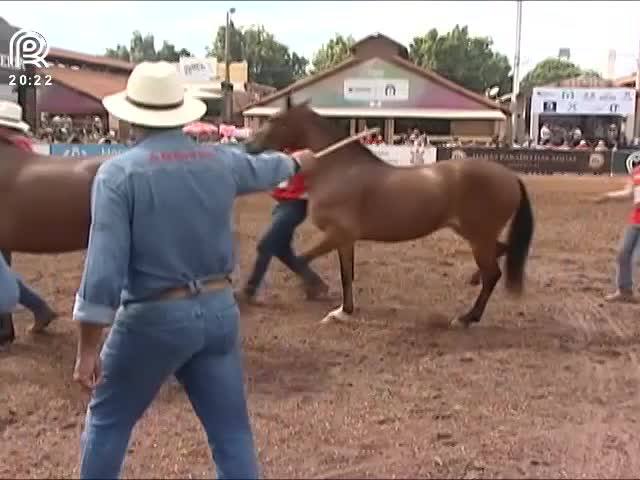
<point>44,201</point>
<point>353,195</point>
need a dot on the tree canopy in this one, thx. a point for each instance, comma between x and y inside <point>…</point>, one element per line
<point>467,61</point>
<point>269,61</point>
<point>143,49</point>
<point>333,52</point>
<point>553,70</point>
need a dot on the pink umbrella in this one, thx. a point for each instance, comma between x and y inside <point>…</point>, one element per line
<point>200,128</point>
<point>227,130</point>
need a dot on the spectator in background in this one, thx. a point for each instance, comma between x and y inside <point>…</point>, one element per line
<point>545,134</point>
<point>576,137</point>
<point>601,146</point>
<point>612,136</point>
<point>583,145</point>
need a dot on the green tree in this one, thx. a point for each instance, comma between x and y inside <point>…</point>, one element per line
<point>269,61</point>
<point>143,49</point>
<point>333,52</point>
<point>236,42</point>
<point>467,61</point>
<point>553,70</point>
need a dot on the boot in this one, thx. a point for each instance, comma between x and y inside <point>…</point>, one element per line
<point>624,296</point>
<point>7,332</point>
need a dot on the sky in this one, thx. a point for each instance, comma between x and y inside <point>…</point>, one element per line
<point>588,29</point>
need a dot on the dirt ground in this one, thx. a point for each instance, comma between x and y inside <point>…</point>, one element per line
<point>545,386</point>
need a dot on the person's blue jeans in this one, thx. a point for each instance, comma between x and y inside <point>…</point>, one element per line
<point>31,300</point>
<point>196,339</point>
<point>629,248</point>
<point>276,242</point>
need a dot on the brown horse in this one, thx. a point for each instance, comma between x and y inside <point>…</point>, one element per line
<point>353,195</point>
<point>45,202</point>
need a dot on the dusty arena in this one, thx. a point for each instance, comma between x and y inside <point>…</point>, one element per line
<point>546,386</point>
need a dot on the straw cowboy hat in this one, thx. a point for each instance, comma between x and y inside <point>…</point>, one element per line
<point>155,98</point>
<point>11,116</point>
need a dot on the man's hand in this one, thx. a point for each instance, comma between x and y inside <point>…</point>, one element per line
<point>88,370</point>
<point>304,158</point>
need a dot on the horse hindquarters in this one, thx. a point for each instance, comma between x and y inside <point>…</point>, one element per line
<point>519,241</point>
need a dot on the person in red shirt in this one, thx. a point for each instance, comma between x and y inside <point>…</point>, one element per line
<point>289,212</point>
<point>13,130</point>
<point>630,244</point>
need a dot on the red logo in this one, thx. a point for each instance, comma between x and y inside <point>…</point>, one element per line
<point>179,155</point>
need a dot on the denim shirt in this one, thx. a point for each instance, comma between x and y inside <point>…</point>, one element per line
<point>161,217</point>
<point>9,293</point>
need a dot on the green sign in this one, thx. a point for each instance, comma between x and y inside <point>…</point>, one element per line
<point>622,161</point>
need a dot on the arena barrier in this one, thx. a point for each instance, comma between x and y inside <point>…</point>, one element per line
<point>400,155</point>
<point>520,159</point>
<point>536,161</point>
<point>85,149</point>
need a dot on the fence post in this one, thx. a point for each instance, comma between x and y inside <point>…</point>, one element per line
<point>7,332</point>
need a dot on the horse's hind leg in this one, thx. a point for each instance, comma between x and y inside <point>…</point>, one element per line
<point>485,256</point>
<point>346,256</point>
<point>501,249</point>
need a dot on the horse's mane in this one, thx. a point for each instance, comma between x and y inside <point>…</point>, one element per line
<point>336,135</point>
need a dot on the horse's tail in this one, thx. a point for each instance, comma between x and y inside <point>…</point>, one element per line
<point>519,240</point>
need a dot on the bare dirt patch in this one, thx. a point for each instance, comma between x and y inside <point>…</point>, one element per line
<point>546,386</point>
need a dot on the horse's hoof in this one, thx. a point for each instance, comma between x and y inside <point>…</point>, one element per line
<point>337,314</point>
<point>459,322</point>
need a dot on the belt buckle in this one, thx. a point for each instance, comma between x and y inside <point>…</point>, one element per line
<point>195,287</point>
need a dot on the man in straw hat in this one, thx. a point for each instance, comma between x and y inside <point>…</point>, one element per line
<point>14,131</point>
<point>157,272</point>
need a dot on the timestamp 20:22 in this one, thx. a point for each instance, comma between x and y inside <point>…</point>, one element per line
<point>26,80</point>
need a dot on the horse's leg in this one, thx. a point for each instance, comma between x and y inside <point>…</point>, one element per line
<point>331,240</point>
<point>346,255</point>
<point>485,256</point>
<point>501,249</point>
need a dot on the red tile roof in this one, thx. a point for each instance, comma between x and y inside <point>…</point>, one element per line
<point>97,60</point>
<point>94,84</point>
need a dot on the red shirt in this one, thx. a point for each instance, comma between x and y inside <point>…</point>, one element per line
<point>634,219</point>
<point>17,139</point>
<point>291,189</point>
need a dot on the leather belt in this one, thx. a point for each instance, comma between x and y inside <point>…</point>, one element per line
<point>192,289</point>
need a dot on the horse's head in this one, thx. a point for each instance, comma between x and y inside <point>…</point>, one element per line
<point>288,128</point>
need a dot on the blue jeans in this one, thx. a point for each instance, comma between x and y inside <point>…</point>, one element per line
<point>628,250</point>
<point>197,339</point>
<point>276,242</point>
<point>10,285</point>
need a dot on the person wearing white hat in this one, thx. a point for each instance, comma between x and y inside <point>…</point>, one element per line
<point>157,271</point>
<point>13,130</point>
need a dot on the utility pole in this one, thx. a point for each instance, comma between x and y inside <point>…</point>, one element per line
<point>227,86</point>
<point>516,74</point>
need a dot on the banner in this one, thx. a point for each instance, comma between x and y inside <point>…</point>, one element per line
<point>623,160</point>
<point>583,101</point>
<point>86,149</point>
<point>405,155</point>
<point>534,160</point>
<point>198,69</point>
<point>376,89</point>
